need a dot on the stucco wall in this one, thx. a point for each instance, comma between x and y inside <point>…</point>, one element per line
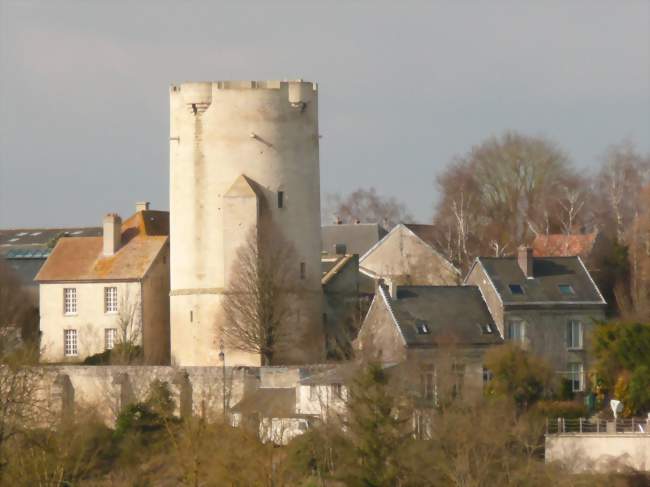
<point>406,259</point>
<point>321,401</point>
<point>600,452</point>
<point>155,332</point>
<point>90,321</point>
<point>379,338</point>
<point>267,131</point>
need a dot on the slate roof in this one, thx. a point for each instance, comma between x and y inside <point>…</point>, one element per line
<point>453,314</point>
<point>269,403</point>
<point>81,259</point>
<point>425,232</point>
<point>558,245</point>
<point>357,237</point>
<point>543,287</point>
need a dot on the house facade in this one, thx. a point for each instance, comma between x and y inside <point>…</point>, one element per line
<point>96,292</point>
<point>407,256</point>
<point>439,333</point>
<point>548,305</point>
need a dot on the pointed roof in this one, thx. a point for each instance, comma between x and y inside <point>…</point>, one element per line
<point>241,188</point>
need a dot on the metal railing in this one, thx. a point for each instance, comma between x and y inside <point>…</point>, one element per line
<point>608,426</point>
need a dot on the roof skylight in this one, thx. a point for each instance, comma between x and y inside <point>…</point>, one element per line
<point>422,327</point>
<point>566,289</point>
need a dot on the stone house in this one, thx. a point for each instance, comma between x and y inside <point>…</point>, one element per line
<point>548,305</point>
<point>439,333</point>
<point>95,292</point>
<point>407,255</point>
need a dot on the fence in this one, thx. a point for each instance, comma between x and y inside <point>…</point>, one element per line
<point>583,425</point>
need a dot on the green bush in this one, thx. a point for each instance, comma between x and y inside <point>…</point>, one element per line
<point>138,418</point>
<point>561,409</point>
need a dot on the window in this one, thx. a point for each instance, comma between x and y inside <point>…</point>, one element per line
<point>428,384</point>
<point>70,301</point>
<point>422,327</point>
<point>337,390</point>
<point>516,331</point>
<point>487,376</point>
<point>574,334</point>
<point>576,376</point>
<point>280,199</point>
<point>313,393</point>
<point>110,300</point>
<point>516,289</point>
<point>303,270</point>
<point>566,289</point>
<point>110,337</point>
<point>70,343</point>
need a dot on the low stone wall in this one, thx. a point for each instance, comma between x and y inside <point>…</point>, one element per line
<point>600,452</point>
<point>196,390</point>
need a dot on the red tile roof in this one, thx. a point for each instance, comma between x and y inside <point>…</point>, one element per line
<point>81,259</point>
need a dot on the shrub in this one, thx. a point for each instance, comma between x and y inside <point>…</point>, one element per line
<point>561,409</point>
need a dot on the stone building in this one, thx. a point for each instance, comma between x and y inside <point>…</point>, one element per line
<point>440,333</point>
<point>407,256</point>
<point>244,160</point>
<point>548,305</point>
<point>98,291</point>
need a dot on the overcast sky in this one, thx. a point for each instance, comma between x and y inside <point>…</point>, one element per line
<point>403,87</point>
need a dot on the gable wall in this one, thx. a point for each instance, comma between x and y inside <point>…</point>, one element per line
<point>406,259</point>
<point>379,338</point>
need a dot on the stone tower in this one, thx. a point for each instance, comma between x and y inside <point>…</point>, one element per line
<point>243,158</point>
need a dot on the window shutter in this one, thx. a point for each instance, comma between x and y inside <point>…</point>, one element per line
<point>568,334</point>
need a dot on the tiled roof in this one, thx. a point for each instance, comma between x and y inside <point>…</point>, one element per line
<point>81,258</point>
<point>560,245</point>
<point>23,239</point>
<point>452,315</point>
<point>357,237</point>
<point>544,287</point>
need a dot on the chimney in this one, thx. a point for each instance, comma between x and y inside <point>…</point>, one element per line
<point>525,260</point>
<point>141,206</point>
<point>112,233</point>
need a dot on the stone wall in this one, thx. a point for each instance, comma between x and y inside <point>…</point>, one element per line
<point>196,390</point>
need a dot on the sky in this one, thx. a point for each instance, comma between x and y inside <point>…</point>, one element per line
<point>404,87</point>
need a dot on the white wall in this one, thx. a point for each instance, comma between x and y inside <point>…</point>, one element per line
<point>600,452</point>
<point>324,403</point>
<point>90,321</point>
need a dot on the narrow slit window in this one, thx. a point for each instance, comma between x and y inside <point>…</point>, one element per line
<point>303,270</point>
<point>280,199</point>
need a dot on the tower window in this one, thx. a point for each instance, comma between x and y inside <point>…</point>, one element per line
<point>303,270</point>
<point>280,199</point>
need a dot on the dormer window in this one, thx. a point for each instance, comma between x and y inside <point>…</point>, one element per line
<point>566,289</point>
<point>422,327</point>
<point>516,289</point>
<point>487,328</point>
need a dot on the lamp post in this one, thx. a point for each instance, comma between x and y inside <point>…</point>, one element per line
<point>222,358</point>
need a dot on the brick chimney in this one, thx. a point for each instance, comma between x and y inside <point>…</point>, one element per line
<point>112,233</point>
<point>141,206</point>
<point>525,260</point>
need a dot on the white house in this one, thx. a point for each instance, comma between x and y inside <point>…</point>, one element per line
<point>97,291</point>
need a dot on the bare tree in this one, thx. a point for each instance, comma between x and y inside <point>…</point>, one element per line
<point>367,206</point>
<point>619,183</point>
<point>18,316</point>
<point>257,302</point>
<point>500,193</point>
<point>127,348</point>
